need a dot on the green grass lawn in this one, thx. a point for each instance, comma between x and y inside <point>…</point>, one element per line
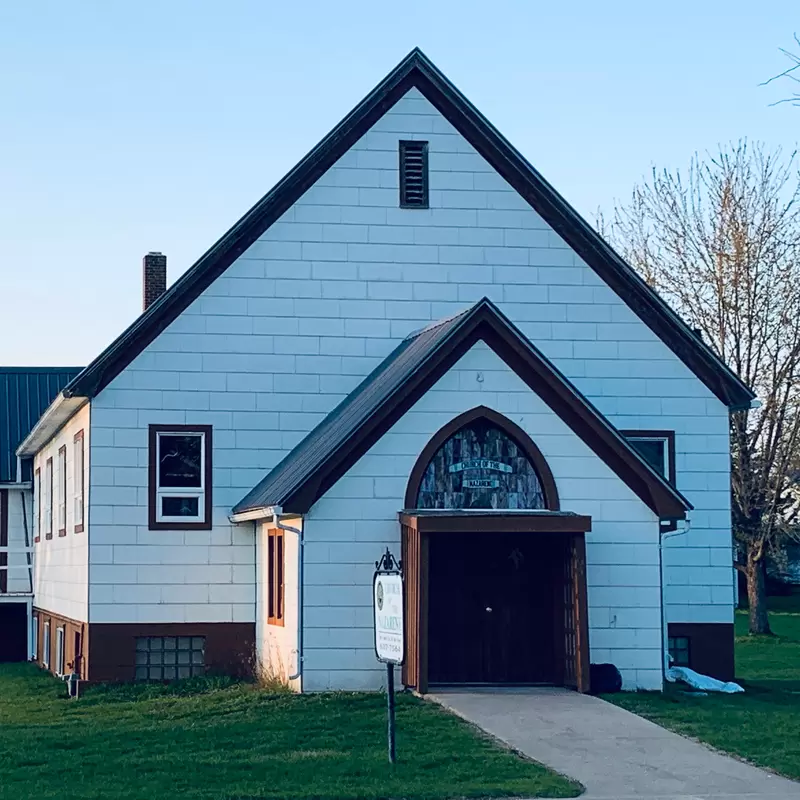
<point>237,742</point>
<point>762,725</point>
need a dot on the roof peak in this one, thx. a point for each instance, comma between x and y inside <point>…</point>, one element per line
<point>416,70</point>
<point>484,302</point>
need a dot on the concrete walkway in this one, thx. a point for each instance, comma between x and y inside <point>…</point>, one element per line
<point>613,753</point>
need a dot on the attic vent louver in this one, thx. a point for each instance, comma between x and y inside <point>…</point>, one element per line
<point>413,174</point>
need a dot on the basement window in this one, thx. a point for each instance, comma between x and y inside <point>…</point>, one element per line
<point>679,651</point>
<point>46,644</point>
<point>413,174</point>
<point>59,651</point>
<point>180,477</point>
<point>168,658</point>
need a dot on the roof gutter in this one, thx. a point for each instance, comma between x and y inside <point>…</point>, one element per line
<point>254,514</point>
<point>56,415</point>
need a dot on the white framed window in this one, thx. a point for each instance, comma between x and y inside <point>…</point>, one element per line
<point>180,477</point>
<point>59,651</point>
<point>48,499</point>
<point>657,448</point>
<point>78,481</point>
<point>46,644</point>
<point>35,637</point>
<point>62,490</point>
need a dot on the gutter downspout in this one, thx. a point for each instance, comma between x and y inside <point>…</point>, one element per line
<point>664,624</point>
<point>276,512</point>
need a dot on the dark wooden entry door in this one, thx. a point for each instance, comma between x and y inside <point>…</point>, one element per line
<point>493,615</point>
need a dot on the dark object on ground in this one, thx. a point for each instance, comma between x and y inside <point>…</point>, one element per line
<point>604,679</point>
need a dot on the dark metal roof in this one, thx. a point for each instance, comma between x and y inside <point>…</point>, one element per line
<point>417,71</point>
<point>329,450</point>
<point>25,392</point>
<point>345,420</point>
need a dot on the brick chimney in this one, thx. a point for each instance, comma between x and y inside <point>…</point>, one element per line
<point>154,278</point>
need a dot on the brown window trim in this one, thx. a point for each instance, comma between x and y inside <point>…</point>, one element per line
<point>276,566</point>
<point>669,436</point>
<point>62,486</point>
<point>152,479</point>
<point>79,438</point>
<point>48,533</point>
<point>37,487</point>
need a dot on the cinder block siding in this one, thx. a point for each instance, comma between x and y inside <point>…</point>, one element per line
<point>349,527</point>
<point>61,564</point>
<point>328,291</point>
<point>18,580</point>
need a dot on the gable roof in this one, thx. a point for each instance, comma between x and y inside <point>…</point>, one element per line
<point>416,70</point>
<point>382,398</point>
<point>25,392</point>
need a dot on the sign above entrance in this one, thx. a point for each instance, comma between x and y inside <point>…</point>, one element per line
<point>479,463</point>
<point>480,483</point>
<point>387,599</point>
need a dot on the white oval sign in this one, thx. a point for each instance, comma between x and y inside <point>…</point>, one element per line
<point>387,599</point>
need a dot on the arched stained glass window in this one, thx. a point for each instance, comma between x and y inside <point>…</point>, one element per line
<point>480,466</point>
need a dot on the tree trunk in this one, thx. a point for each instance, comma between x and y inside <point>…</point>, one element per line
<point>757,594</point>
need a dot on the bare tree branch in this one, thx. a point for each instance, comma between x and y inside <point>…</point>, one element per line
<point>721,243</point>
<point>788,73</point>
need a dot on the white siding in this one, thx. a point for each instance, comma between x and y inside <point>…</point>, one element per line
<point>348,529</point>
<point>61,564</point>
<point>139,575</point>
<point>18,573</point>
<point>293,325</point>
<point>276,645</point>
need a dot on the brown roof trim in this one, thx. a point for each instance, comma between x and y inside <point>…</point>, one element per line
<point>416,70</point>
<point>485,322</point>
<point>513,430</point>
<point>460,522</point>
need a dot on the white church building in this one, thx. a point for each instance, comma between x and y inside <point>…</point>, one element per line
<point>412,341</point>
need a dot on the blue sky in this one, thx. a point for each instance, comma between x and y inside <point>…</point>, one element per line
<point>129,127</point>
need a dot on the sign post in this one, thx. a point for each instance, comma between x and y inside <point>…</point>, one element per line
<point>387,601</point>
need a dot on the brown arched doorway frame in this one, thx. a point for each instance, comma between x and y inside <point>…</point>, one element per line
<point>420,526</point>
<point>511,429</point>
